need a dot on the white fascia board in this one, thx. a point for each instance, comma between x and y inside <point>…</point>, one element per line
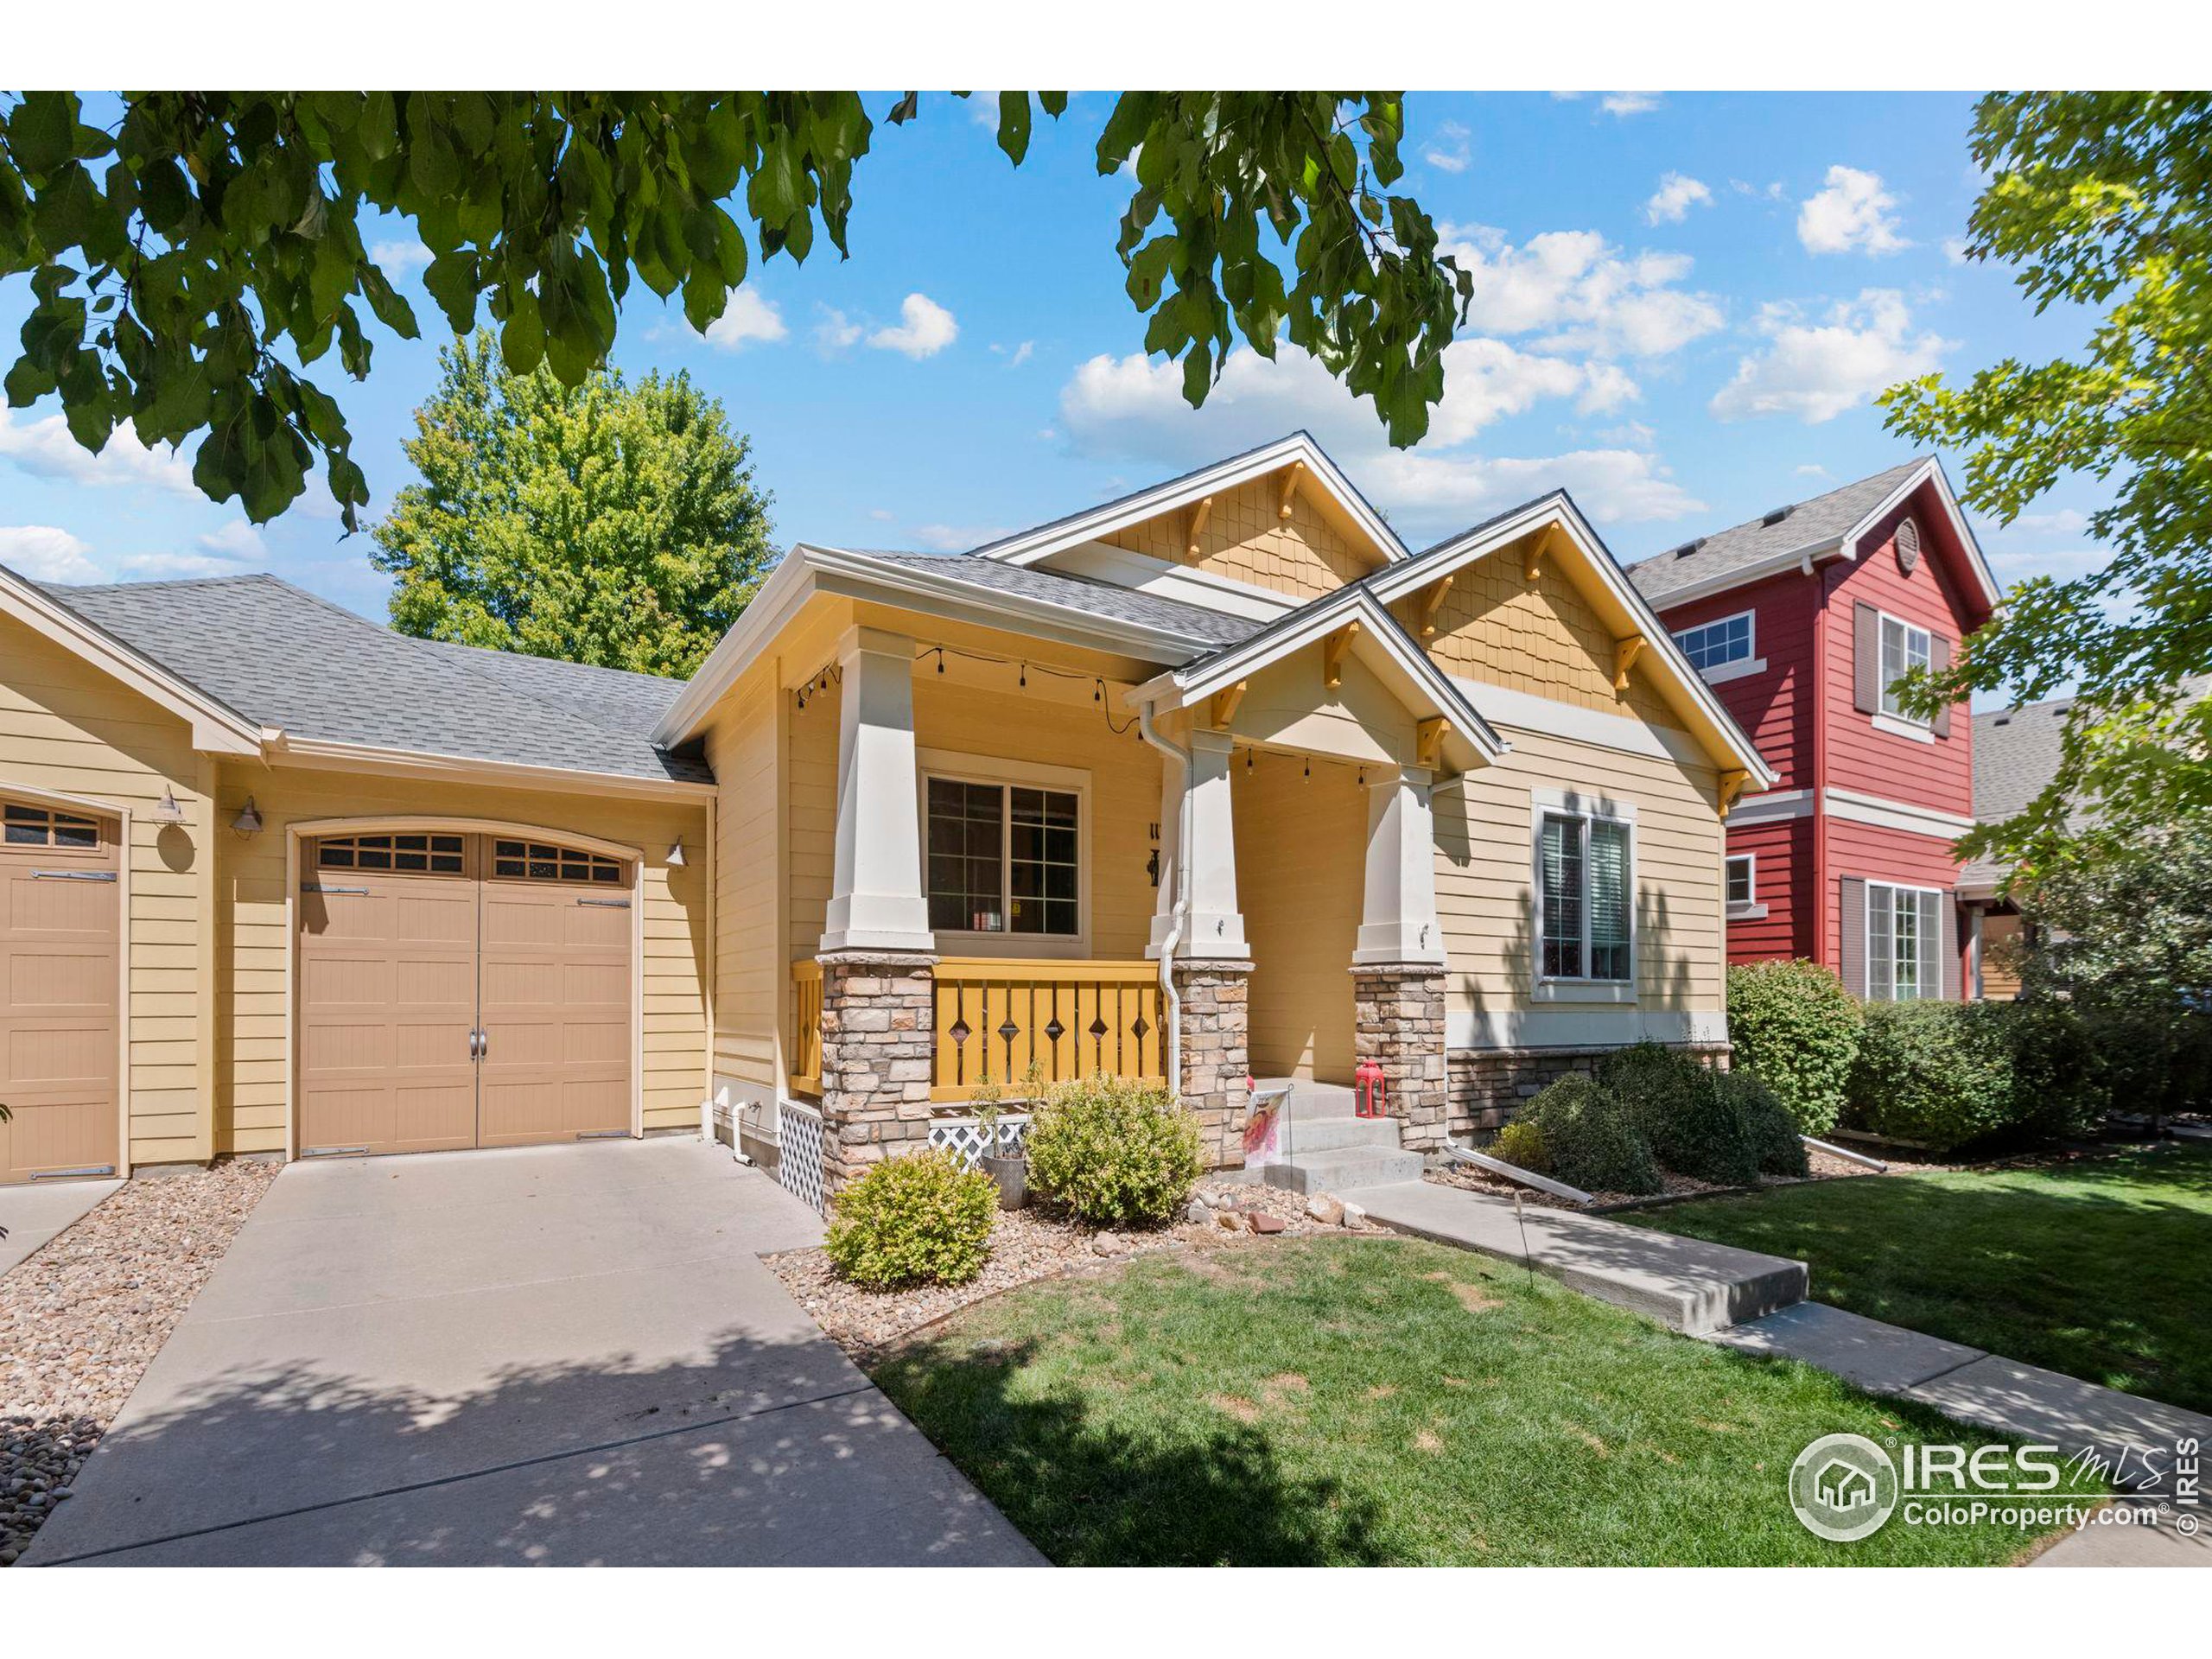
<point>1658,639</point>
<point>788,587</point>
<point>216,728</point>
<point>1798,558</point>
<point>1931,470</point>
<point>1042,542</point>
<point>1179,688</point>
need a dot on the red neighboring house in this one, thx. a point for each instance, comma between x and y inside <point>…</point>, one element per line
<point>1800,619</point>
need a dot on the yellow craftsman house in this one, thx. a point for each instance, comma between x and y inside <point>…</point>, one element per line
<point>1214,781</point>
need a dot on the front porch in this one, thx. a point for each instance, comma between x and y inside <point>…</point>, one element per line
<point>1014,858</point>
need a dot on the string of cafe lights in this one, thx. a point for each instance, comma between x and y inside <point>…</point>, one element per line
<point>830,674</point>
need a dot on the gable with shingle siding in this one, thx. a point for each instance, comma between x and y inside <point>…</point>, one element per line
<point>1245,538</point>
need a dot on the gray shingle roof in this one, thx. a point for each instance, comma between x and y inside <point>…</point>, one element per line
<point>2015,754</point>
<point>1803,525</point>
<point>1202,627</point>
<point>281,657</point>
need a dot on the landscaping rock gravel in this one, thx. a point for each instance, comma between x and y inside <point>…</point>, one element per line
<point>1028,1245</point>
<point>82,1318</point>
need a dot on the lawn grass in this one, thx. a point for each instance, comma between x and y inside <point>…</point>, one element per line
<point>1383,1401</point>
<point>2094,1267</point>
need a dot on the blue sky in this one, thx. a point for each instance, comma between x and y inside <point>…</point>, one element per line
<point>1685,305</point>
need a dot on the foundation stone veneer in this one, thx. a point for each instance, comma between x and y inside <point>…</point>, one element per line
<point>1216,998</point>
<point>875,1058</point>
<point>1398,1022</point>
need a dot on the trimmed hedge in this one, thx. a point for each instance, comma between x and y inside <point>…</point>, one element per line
<point>1592,1138</point>
<point>1695,1128</point>
<point>1985,1075</point>
<point>921,1220</point>
<point>1795,1026</point>
<point>1114,1151</point>
<point>1768,1127</point>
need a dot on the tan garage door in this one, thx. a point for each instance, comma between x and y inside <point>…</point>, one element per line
<point>60,923</point>
<point>461,991</point>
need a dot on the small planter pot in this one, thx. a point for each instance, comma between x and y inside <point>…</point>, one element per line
<point>1012,1175</point>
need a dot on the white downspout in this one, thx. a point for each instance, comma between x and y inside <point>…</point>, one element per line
<point>1180,905</point>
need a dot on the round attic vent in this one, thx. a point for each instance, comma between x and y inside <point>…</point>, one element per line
<point>1908,545</point>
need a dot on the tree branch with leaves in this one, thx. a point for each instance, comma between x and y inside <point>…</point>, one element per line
<point>190,266</point>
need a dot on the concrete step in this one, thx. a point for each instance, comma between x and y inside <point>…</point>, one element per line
<point>1687,1283</point>
<point>1311,1101</point>
<point>1328,1134</point>
<point>1339,1167</point>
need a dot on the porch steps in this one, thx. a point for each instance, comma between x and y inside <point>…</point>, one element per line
<point>1331,1147</point>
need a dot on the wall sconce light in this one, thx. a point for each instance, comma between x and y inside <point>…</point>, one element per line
<point>248,822</point>
<point>676,859</point>
<point>166,810</point>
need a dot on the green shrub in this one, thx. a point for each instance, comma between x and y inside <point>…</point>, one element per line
<point>923,1220</point>
<point>1520,1144</point>
<point>1991,1076</point>
<point>1794,1025</point>
<point>1768,1127</point>
<point>1693,1126</point>
<point>1592,1138</point>
<point>1114,1151</point>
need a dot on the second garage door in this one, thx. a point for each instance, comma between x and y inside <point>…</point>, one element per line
<point>462,991</point>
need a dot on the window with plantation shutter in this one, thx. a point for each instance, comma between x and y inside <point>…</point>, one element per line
<point>1583,875</point>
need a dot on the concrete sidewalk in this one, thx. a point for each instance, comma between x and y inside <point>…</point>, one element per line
<point>1988,1391</point>
<point>1684,1282</point>
<point>556,1355</point>
<point>35,1212</point>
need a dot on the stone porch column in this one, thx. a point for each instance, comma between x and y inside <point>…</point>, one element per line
<point>1398,963</point>
<point>1212,967</point>
<point>878,955</point>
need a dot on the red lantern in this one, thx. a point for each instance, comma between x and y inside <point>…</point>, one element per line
<point>1367,1089</point>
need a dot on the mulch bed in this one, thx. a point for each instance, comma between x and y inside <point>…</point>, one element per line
<point>1027,1245</point>
<point>83,1316</point>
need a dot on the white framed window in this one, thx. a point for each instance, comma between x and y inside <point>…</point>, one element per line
<point>1586,877</point>
<point>1904,648</point>
<point>1903,942</point>
<point>1742,879</point>
<point>1718,643</point>
<point>1006,849</point>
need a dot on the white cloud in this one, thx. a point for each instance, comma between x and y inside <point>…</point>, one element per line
<point>1677,193</point>
<point>1619,103</point>
<point>1816,371</point>
<point>1812,469</point>
<point>958,538</point>
<point>397,258</point>
<point>881,515</point>
<point>148,566</point>
<point>834,331</point>
<point>1015,355</point>
<point>1769,191</point>
<point>45,553</point>
<point>1132,409</point>
<point>1447,151</point>
<point>44,449</point>
<point>745,318</point>
<point>1954,249</point>
<point>926,329</point>
<point>236,539</point>
<point>1850,214</point>
<point>1580,293</point>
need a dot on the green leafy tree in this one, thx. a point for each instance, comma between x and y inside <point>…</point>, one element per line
<point>188,265</point>
<point>2100,202</point>
<point>2124,936</point>
<point>603,523</point>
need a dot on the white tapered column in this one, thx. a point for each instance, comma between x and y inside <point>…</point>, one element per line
<point>1198,882</point>
<point>876,901</point>
<point>1397,921</point>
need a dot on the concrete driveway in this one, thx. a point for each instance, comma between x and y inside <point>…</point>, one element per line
<point>560,1354</point>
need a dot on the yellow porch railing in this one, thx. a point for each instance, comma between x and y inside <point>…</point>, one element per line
<point>995,1015</point>
<point>806,1050</point>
